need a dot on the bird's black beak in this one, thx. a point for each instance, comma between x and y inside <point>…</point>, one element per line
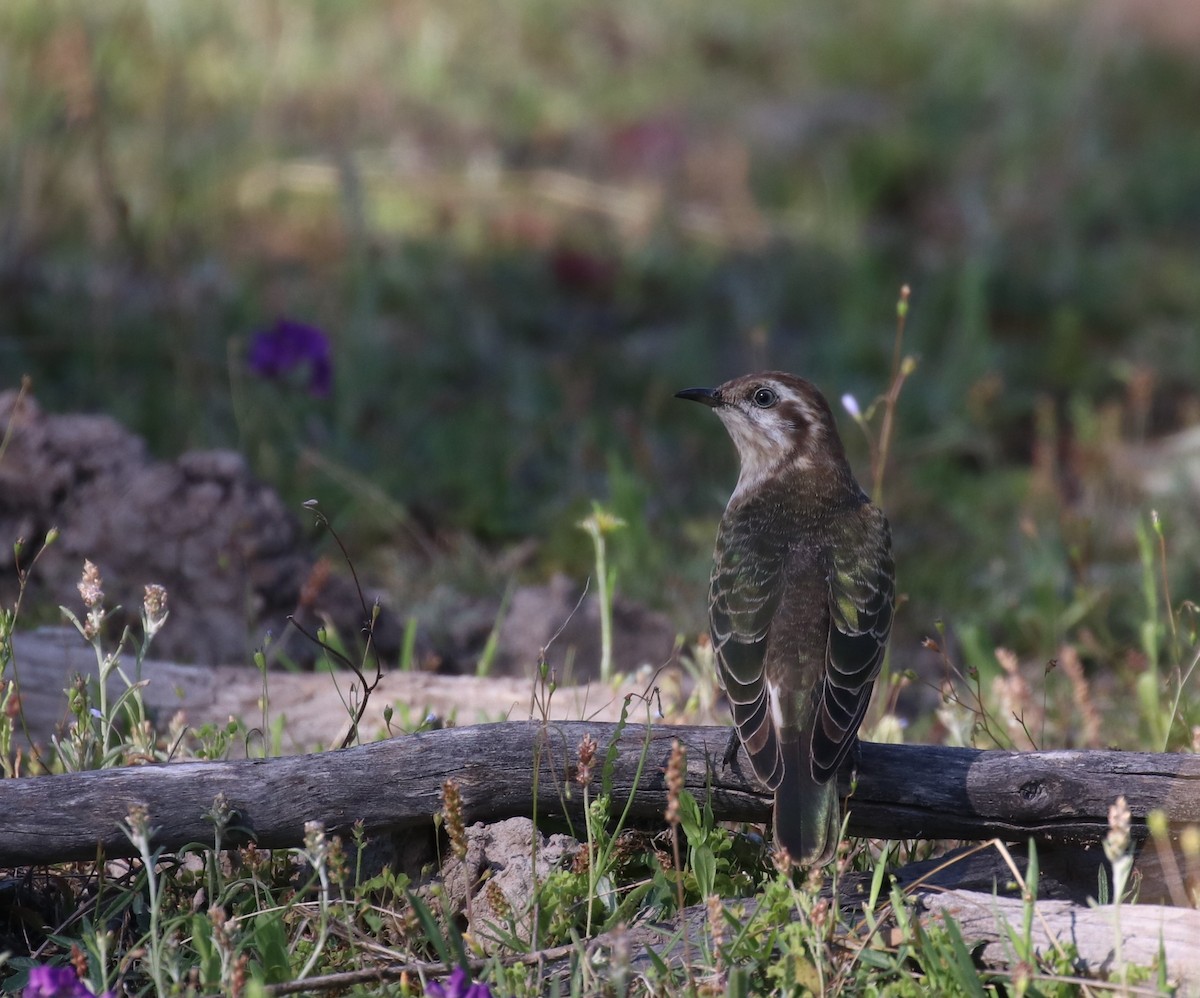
<point>709,396</point>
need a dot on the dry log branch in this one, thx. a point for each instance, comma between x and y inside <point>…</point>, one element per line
<point>902,791</point>
<point>312,705</point>
<point>1147,932</point>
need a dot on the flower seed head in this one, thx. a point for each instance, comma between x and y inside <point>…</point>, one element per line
<point>587,756</point>
<point>91,586</point>
<point>452,811</point>
<point>1116,843</point>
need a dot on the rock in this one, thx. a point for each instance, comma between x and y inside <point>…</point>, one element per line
<point>551,617</point>
<point>228,551</point>
<point>501,854</point>
<point>235,563</point>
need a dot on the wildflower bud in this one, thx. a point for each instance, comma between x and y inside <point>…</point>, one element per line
<point>600,522</point>
<point>587,756</point>
<point>221,812</point>
<point>676,769</point>
<point>716,924</point>
<point>908,365</point>
<point>237,980</point>
<point>138,821</point>
<point>452,811</point>
<point>820,913</point>
<point>850,404</point>
<point>77,696</point>
<point>91,586</point>
<point>1116,843</point>
<point>498,900</point>
<point>154,609</point>
<point>51,536</point>
<point>314,841</point>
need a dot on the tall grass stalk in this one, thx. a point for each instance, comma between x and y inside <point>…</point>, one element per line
<point>598,526</point>
<point>139,832</point>
<point>879,446</point>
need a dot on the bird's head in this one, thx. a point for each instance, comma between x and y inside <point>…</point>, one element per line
<point>778,423</point>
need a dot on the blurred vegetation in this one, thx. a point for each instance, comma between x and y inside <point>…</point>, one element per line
<point>524,226</point>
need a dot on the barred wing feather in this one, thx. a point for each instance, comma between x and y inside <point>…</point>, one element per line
<point>861,599</point>
<point>743,598</point>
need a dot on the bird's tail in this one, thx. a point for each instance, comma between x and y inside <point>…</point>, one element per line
<point>808,819</point>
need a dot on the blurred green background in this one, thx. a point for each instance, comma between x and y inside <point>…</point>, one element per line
<point>524,225</point>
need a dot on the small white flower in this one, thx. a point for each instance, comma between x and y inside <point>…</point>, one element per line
<point>850,404</point>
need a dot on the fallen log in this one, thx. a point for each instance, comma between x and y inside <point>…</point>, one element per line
<point>1147,934</point>
<point>901,792</point>
<point>312,705</point>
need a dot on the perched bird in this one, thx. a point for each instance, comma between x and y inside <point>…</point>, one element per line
<point>801,599</point>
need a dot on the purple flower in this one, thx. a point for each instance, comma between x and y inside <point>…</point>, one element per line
<point>57,982</point>
<point>288,345</point>
<point>459,986</point>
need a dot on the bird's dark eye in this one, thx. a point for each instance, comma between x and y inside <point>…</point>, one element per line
<point>764,398</point>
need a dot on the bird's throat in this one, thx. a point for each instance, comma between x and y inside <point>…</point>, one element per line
<point>759,468</point>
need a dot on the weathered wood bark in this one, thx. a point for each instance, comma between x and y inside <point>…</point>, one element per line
<point>312,704</point>
<point>982,916</point>
<point>903,791</point>
<point>1144,929</point>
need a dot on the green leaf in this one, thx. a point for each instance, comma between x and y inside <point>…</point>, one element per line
<point>689,816</point>
<point>877,877</point>
<point>209,959</point>
<point>705,866</point>
<point>432,930</point>
<point>968,973</point>
<point>660,965</point>
<point>270,940</point>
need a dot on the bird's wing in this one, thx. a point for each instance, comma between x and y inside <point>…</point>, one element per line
<point>861,599</point>
<point>744,594</point>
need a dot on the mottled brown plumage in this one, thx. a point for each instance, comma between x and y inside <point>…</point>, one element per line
<point>800,603</point>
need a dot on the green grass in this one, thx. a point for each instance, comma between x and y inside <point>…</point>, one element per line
<point>277,917</point>
<point>240,920</point>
